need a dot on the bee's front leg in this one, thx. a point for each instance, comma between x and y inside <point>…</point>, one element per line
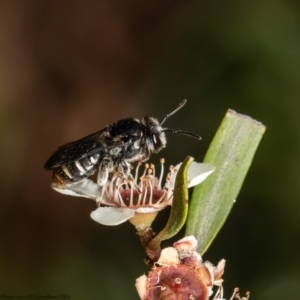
<point>125,168</point>
<point>103,172</point>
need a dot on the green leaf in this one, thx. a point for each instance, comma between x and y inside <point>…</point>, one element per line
<point>231,152</point>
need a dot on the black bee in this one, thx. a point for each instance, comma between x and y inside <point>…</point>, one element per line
<point>111,149</point>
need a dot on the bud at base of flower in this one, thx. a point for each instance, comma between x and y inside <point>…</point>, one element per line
<point>175,282</point>
<point>143,221</point>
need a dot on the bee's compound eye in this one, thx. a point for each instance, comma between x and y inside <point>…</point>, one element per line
<point>157,142</point>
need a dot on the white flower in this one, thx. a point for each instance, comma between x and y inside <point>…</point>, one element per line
<point>124,198</point>
<point>147,196</point>
<point>85,188</point>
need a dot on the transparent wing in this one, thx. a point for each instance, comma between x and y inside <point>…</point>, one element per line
<point>70,152</point>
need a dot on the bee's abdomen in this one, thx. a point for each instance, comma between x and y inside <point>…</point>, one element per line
<point>75,171</point>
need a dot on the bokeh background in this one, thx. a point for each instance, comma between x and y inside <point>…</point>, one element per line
<point>68,68</point>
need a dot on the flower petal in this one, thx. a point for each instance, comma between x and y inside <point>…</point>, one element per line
<point>112,215</point>
<point>141,286</point>
<point>85,188</point>
<point>197,172</point>
<point>169,256</point>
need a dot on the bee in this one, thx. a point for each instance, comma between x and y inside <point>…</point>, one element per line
<point>112,149</point>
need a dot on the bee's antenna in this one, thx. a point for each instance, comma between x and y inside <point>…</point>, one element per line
<point>181,104</point>
<point>196,136</point>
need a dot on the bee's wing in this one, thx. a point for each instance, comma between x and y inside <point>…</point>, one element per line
<point>79,149</point>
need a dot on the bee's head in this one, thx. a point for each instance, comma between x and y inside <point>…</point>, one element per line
<point>155,137</point>
<point>155,133</point>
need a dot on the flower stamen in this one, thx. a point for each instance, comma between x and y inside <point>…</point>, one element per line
<point>162,161</point>
<point>152,167</point>
<point>132,197</point>
<point>131,193</point>
<point>120,198</point>
<point>151,192</point>
<point>219,293</point>
<point>145,193</point>
<point>145,170</point>
<point>137,171</point>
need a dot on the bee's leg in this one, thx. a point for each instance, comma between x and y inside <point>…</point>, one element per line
<point>126,171</point>
<point>104,168</point>
<point>147,154</point>
<point>125,168</point>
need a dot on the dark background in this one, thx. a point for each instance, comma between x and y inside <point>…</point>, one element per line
<point>68,68</point>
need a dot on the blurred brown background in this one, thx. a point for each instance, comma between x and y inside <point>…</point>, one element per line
<point>68,68</point>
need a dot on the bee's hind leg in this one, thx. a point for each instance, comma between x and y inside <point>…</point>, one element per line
<point>103,172</point>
